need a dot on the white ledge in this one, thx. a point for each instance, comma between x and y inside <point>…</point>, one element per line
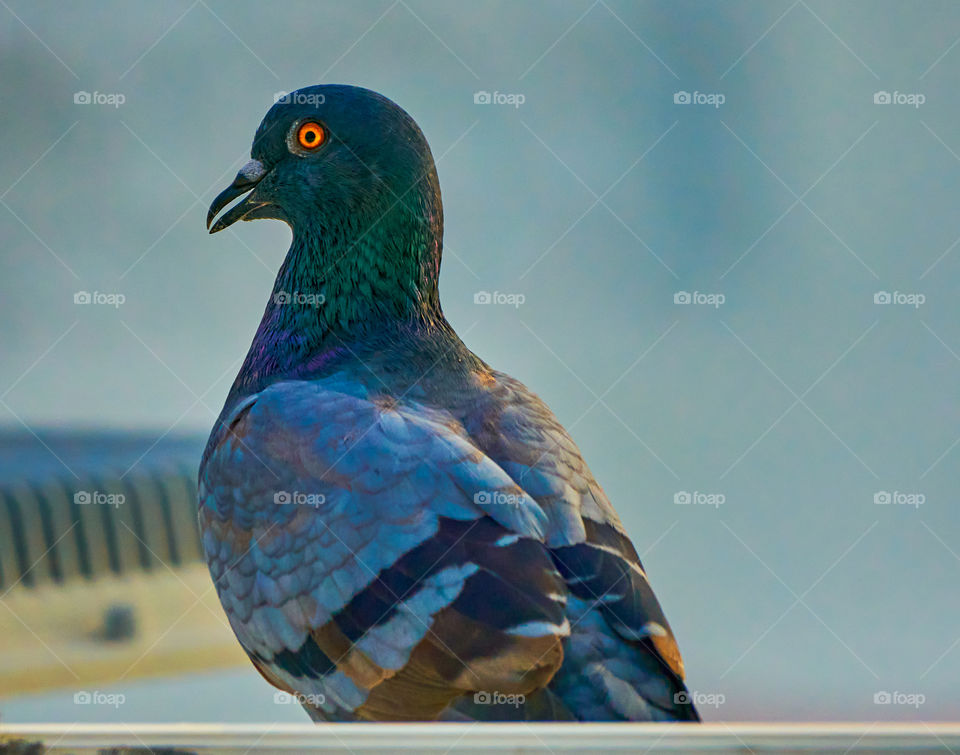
<point>479,738</point>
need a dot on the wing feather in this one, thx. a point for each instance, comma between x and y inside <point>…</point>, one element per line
<point>355,564</point>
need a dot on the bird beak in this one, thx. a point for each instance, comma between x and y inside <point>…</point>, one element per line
<point>248,177</point>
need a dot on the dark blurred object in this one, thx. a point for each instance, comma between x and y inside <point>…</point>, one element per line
<point>22,747</point>
<point>119,622</point>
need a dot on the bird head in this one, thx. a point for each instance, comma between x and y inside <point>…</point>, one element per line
<point>324,153</point>
<point>352,175</point>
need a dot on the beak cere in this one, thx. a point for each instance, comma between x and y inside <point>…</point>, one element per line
<point>246,180</point>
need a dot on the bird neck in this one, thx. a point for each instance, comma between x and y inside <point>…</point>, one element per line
<point>339,288</point>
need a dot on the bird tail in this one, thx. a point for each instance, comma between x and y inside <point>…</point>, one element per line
<point>607,678</point>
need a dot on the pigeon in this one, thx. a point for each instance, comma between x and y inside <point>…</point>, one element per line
<point>396,530</point>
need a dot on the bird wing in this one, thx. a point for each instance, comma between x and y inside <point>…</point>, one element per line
<point>622,657</point>
<point>356,566</point>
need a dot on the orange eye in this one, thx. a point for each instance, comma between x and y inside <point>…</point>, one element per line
<point>310,135</point>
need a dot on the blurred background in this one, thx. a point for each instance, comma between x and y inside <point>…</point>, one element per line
<point>719,239</point>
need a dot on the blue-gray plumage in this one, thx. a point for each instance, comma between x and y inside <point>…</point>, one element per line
<point>396,530</point>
